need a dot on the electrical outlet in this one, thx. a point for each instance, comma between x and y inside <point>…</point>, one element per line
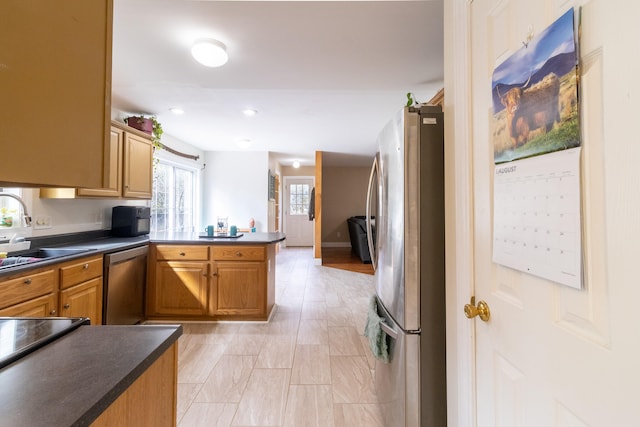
<point>42,221</point>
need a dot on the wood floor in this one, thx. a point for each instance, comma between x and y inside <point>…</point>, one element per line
<point>309,366</point>
<point>344,259</point>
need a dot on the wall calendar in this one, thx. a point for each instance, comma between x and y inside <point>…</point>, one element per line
<point>537,216</point>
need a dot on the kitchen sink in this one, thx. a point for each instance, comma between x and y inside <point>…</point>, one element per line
<point>37,255</point>
<point>47,253</point>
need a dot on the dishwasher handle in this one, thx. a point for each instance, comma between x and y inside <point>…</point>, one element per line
<point>117,257</point>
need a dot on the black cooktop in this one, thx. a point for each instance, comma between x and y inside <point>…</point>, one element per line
<point>20,336</point>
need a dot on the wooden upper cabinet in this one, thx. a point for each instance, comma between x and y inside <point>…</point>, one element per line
<point>112,179</point>
<point>138,164</point>
<point>55,81</point>
<point>128,167</point>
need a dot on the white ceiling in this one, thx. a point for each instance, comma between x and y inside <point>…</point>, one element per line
<point>322,75</point>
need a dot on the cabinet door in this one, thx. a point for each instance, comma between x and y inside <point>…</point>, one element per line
<point>138,161</point>
<point>240,288</point>
<point>83,300</point>
<point>179,288</point>
<point>56,91</point>
<point>112,173</point>
<point>44,306</point>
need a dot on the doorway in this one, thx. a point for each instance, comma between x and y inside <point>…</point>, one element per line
<point>297,197</point>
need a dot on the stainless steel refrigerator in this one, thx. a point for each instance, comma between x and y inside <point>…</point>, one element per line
<point>405,210</point>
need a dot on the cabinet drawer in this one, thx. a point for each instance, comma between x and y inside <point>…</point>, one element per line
<point>27,287</point>
<point>239,253</point>
<point>179,253</point>
<point>44,306</point>
<point>80,271</point>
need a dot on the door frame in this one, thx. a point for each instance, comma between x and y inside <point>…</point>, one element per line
<point>285,203</point>
<point>461,363</point>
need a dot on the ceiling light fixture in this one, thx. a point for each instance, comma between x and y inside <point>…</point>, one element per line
<point>249,112</point>
<point>210,52</point>
<point>296,164</point>
<point>176,110</point>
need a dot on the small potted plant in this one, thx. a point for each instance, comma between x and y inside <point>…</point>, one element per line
<point>149,125</point>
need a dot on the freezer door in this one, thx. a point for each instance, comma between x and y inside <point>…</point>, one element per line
<point>398,382</point>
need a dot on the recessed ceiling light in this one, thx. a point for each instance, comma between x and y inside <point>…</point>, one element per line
<point>250,112</point>
<point>210,52</point>
<point>244,143</point>
<point>296,164</point>
<point>177,111</point>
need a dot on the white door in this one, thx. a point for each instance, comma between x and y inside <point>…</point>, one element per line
<point>549,355</point>
<point>297,226</point>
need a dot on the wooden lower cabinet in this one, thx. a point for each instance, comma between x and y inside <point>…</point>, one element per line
<point>84,300</point>
<point>151,400</point>
<point>217,282</point>
<point>81,289</point>
<point>180,288</point>
<point>240,288</point>
<point>68,289</point>
<point>43,306</point>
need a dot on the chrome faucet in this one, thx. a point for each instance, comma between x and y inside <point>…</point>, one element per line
<point>27,218</point>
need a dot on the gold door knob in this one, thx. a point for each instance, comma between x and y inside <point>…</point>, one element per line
<point>482,310</point>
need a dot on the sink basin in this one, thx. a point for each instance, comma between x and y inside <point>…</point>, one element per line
<point>51,252</point>
<point>36,255</point>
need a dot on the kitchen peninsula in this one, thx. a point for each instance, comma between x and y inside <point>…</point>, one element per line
<point>91,375</point>
<point>196,277</point>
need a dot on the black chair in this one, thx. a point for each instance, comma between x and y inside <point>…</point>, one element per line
<point>358,235</point>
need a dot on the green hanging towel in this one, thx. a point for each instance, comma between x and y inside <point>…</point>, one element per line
<point>373,331</point>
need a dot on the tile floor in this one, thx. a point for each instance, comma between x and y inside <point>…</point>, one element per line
<point>309,366</point>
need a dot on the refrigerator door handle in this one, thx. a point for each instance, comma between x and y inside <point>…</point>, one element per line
<point>388,330</point>
<point>372,249</point>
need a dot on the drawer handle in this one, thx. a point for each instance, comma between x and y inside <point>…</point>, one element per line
<point>182,254</point>
<point>27,281</point>
<point>66,306</point>
<point>238,253</point>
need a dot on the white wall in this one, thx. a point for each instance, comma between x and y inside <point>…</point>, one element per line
<point>235,185</point>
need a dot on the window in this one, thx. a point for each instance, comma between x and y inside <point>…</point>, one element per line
<point>10,210</point>
<point>299,199</point>
<point>173,204</point>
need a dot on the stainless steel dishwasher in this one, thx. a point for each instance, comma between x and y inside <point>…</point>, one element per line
<point>125,276</point>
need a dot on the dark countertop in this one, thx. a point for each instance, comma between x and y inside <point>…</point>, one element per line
<point>95,246</point>
<point>71,381</point>
<point>195,238</point>
<point>99,243</point>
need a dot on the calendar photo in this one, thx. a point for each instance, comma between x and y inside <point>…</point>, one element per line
<point>535,95</point>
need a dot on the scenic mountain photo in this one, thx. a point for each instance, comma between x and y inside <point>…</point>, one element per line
<point>535,95</point>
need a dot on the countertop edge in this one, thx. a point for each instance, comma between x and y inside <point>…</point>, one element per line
<point>108,245</point>
<point>74,379</point>
<point>96,410</point>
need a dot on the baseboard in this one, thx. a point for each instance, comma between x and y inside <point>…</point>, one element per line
<point>336,244</point>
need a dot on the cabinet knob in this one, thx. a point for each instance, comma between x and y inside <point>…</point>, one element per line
<point>238,253</point>
<point>85,267</point>
<point>52,313</point>
<point>27,281</point>
<point>214,274</point>
<point>182,254</point>
<point>66,306</point>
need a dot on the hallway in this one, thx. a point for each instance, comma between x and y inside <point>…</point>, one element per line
<point>309,366</point>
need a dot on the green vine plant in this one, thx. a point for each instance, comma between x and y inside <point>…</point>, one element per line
<point>156,132</point>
